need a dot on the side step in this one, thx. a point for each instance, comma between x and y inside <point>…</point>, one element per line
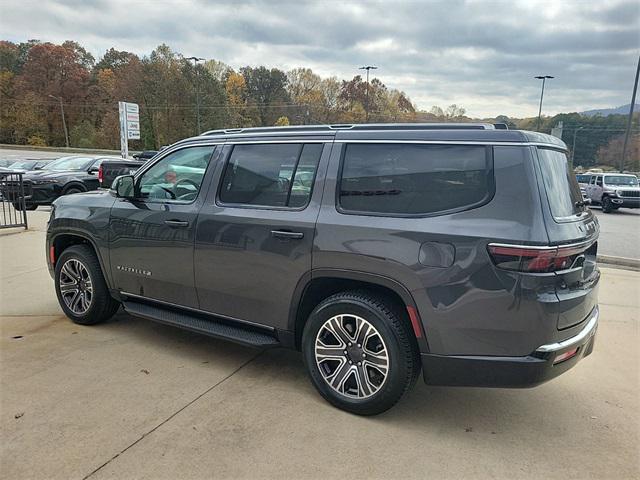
<point>198,324</point>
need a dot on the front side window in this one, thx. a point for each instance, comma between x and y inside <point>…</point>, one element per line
<point>178,176</point>
<point>406,179</point>
<point>599,181</point>
<point>271,175</point>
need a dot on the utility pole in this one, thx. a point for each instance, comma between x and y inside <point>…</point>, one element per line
<point>366,107</point>
<point>633,104</point>
<point>195,66</point>
<point>573,148</point>
<point>543,78</point>
<point>64,122</point>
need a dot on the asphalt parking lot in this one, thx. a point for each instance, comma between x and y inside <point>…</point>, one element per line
<point>619,232</point>
<point>134,399</point>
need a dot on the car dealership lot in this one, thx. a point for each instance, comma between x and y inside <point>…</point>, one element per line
<point>619,232</point>
<point>134,399</point>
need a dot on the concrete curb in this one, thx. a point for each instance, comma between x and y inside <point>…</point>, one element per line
<point>620,261</point>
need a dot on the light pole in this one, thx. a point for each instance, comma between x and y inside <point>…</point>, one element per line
<point>543,78</point>
<point>573,148</point>
<point>64,122</point>
<point>633,103</point>
<point>366,107</point>
<point>195,66</point>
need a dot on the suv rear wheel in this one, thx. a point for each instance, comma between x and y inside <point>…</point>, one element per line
<point>80,286</point>
<point>359,352</point>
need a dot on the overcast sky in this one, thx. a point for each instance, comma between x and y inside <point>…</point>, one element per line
<point>478,54</point>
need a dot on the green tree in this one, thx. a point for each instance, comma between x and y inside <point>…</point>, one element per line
<point>267,91</point>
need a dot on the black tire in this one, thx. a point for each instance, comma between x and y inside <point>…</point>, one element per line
<point>389,324</point>
<point>18,206</point>
<point>72,190</point>
<point>607,205</point>
<point>101,306</point>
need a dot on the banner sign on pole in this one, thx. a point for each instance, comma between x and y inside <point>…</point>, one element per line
<point>129,125</point>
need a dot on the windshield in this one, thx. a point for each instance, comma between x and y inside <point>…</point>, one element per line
<point>70,163</point>
<point>565,199</point>
<point>626,180</point>
<point>24,164</point>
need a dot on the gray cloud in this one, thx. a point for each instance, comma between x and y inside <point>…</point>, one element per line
<point>481,54</point>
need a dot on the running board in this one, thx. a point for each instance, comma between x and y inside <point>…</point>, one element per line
<point>198,324</point>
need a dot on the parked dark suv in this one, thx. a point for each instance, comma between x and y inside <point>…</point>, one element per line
<point>64,176</point>
<point>377,250</point>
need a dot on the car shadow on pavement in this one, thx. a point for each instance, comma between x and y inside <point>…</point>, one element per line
<point>447,409</point>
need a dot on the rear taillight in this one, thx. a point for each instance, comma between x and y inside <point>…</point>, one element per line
<point>100,174</point>
<point>537,259</point>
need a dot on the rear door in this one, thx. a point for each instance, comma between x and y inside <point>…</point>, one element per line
<point>574,229</point>
<point>255,232</point>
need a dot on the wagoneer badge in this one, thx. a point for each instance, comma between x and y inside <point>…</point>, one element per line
<point>135,271</point>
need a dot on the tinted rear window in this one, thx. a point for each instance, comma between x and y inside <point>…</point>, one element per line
<point>272,175</point>
<point>560,184</point>
<point>406,179</point>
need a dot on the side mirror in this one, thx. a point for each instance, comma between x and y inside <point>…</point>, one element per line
<point>39,167</point>
<point>124,186</point>
<point>93,170</point>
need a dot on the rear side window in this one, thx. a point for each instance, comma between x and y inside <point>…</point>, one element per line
<point>563,192</point>
<point>409,179</point>
<point>271,175</point>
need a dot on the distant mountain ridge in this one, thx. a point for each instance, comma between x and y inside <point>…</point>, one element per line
<point>622,110</point>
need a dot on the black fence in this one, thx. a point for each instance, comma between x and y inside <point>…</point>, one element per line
<point>13,211</point>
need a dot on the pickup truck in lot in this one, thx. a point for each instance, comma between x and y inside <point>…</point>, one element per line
<point>614,191</point>
<point>114,168</point>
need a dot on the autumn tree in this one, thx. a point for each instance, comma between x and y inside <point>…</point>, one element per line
<point>611,153</point>
<point>267,91</point>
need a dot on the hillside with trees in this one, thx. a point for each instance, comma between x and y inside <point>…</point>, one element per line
<point>35,76</point>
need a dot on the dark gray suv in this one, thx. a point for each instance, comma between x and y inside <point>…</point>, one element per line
<point>462,250</point>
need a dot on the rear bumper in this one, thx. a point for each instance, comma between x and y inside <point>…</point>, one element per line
<point>510,372</point>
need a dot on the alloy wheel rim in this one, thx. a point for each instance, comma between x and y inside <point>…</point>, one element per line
<point>351,356</point>
<point>76,287</point>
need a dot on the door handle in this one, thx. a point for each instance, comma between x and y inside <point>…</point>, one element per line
<point>287,235</point>
<point>176,223</point>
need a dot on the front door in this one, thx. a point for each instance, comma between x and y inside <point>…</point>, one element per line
<point>152,236</point>
<point>255,237</point>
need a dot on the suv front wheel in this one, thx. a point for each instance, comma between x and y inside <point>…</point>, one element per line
<point>359,352</point>
<point>80,286</point>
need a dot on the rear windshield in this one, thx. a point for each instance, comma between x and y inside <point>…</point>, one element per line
<point>563,192</point>
<point>411,179</point>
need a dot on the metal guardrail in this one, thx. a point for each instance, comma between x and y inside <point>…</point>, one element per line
<point>13,208</point>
